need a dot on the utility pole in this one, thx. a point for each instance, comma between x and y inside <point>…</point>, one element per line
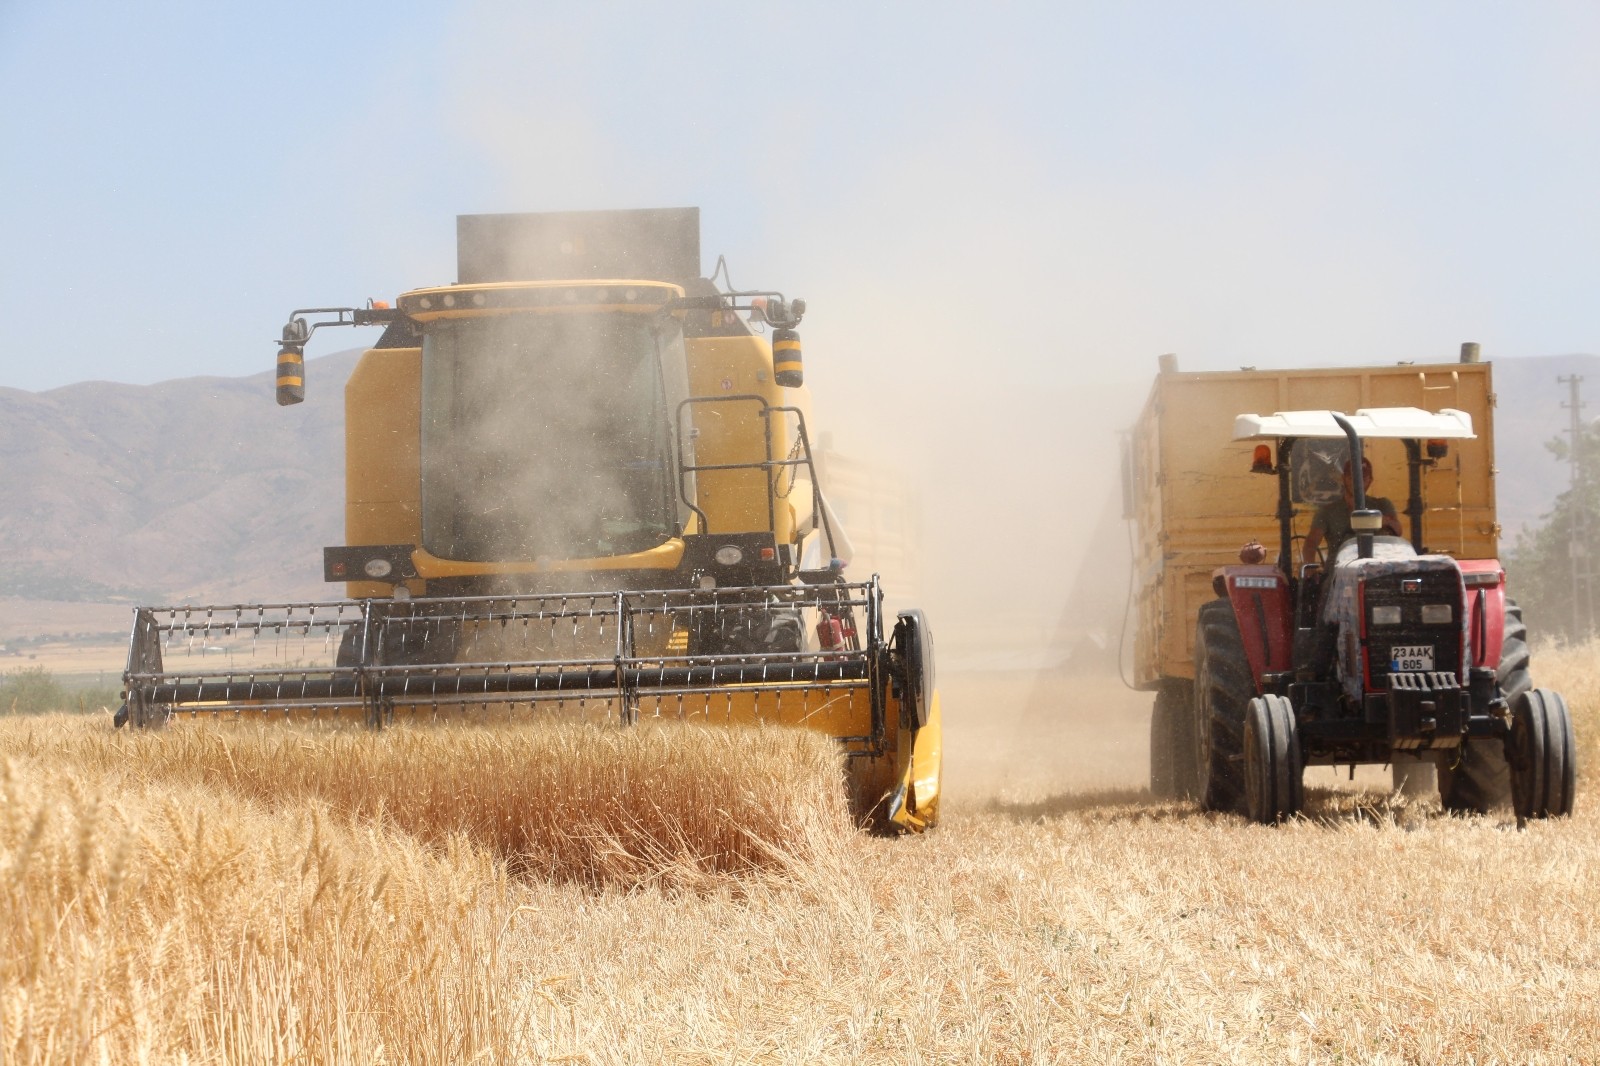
<point>1577,544</point>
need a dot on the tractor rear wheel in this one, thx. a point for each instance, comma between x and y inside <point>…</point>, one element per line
<point>1478,780</point>
<point>1540,751</point>
<point>1273,772</point>
<point>1172,744</point>
<point>1223,686</point>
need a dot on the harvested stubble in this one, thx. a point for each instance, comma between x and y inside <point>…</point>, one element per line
<point>1574,671</point>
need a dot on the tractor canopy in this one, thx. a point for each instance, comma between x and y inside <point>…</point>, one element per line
<point>1369,422</point>
<point>1411,425</point>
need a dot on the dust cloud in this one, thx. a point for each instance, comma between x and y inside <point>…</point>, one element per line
<point>1018,553</point>
<point>977,323</point>
<point>1024,569</point>
<point>1009,431</point>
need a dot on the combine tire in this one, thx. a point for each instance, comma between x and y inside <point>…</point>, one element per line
<point>1222,688</point>
<point>1273,773</point>
<point>747,631</point>
<point>1172,743</point>
<point>1479,781</point>
<point>1540,753</point>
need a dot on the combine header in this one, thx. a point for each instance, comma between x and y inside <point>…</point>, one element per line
<point>575,494</point>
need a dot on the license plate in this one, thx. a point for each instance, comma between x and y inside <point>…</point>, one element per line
<point>1410,658</point>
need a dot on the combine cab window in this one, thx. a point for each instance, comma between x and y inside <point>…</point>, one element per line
<point>547,436</point>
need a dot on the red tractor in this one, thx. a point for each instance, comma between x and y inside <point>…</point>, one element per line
<point>1380,653</point>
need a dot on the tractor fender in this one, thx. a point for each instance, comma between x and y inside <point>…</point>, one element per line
<point>1486,609</point>
<point>1263,607</point>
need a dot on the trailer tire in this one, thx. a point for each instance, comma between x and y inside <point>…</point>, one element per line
<point>1223,686</point>
<point>1480,779</point>
<point>1172,743</point>
<point>1540,753</point>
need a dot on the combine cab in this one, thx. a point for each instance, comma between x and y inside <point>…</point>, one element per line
<point>578,481</point>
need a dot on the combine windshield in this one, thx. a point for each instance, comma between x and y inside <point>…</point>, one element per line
<point>548,436</point>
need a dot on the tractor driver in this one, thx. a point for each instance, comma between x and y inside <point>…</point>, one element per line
<point>1332,520</point>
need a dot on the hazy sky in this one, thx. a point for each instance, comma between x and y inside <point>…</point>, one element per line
<point>999,219</point>
<point>1060,191</point>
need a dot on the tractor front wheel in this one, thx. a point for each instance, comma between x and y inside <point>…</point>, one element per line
<point>1476,780</point>
<point>1223,686</point>
<point>1273,772</point>
<point>1540,753</point>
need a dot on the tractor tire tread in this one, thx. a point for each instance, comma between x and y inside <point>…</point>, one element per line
<point>1480,779</point>
<point>1224,686</point>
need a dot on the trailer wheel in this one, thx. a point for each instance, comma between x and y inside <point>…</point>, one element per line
<point>1540,752</point>
<point>1273,772</point>
<point>1222,688</point>
<point>1479,780</point>
<point>1172,743</point>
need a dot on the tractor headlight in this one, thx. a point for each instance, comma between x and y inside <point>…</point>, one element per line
<point>1437,614</point>
<point>730,555</point>
<point>1386,616</point>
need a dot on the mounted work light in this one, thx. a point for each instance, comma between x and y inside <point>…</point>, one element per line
<point>787,369</point>
<point>292,362</point>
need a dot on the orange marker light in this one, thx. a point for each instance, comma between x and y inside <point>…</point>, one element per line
<point>1262,463</point>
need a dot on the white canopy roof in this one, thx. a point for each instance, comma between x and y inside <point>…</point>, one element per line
<point>1404,422</point>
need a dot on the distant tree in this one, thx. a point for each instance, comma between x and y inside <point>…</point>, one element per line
<point>31,690</point>
<point>1554,569</point>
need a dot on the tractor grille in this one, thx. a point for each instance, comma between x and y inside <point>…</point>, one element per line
<point>1410,591</point>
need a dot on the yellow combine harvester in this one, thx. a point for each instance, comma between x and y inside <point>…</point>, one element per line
<point>578,480</point>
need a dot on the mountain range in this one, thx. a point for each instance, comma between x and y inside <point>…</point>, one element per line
<point>202,489</point>
<point>198,488</point>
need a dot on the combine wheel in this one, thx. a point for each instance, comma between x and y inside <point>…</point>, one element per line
<point>1222,688</point>
<point>1172,743</point>
<point>1540,752</point>
<point>914,640</point>
<point>1479,780</point>
<point>1273,773</point>
<point>746,630</point>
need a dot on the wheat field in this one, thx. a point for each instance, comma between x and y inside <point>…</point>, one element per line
<point>540,893</point>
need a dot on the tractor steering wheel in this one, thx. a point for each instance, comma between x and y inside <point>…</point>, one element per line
<point>1298,549</point>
